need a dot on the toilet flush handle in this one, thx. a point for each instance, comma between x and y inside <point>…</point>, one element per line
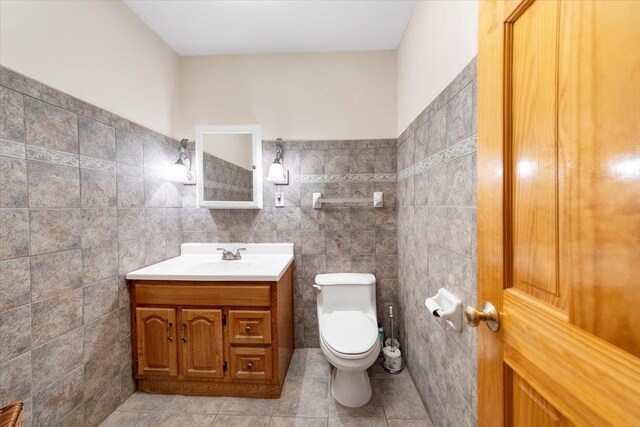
<point>317,288</point>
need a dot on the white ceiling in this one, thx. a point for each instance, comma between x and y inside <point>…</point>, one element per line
<point>208,27</point>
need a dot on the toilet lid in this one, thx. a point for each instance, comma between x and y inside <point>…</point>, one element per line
<point>349,332</point>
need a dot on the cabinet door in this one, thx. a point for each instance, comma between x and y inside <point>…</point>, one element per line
<point>201,338</point>
<point>156,337</point>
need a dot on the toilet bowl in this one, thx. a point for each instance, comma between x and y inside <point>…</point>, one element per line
<point>348,329</point>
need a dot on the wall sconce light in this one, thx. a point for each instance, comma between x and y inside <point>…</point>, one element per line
<point>277,174</point>
<point>184,157</point>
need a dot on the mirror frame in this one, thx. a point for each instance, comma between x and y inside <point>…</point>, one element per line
<point>256,146</point>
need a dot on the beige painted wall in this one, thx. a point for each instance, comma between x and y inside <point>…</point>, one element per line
<point>441,38</point>
<point>101,52</point>
<point>235,148</point>
<point>347,95</point>
<point>98,51</point>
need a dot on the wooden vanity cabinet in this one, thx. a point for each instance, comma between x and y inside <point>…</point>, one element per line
<point>212,338</point>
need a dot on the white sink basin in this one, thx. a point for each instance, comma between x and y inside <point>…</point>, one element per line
<point>208,265</point>
<point>201,262</point>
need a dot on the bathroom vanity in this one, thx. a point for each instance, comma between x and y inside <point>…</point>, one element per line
<point>201,325</point>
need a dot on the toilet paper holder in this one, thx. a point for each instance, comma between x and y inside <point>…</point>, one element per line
<point>446,306</point>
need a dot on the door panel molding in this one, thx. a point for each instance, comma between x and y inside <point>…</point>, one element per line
<point>201,342</point>
<point>156,341</point>
<point>589,380</point>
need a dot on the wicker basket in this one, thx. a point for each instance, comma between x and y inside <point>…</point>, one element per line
<point>11,415</point>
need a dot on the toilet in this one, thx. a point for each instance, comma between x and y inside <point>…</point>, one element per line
<point>348,329</point>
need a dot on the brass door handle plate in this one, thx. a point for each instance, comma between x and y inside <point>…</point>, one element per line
<point>487,314</point>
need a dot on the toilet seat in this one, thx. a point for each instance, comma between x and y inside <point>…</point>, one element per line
<point>349,334</point>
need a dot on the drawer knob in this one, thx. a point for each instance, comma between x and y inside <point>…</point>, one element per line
<point>247,329</point>
<point>249,365</point>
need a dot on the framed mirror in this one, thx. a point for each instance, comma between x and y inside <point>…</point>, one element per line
<point>229,166</point>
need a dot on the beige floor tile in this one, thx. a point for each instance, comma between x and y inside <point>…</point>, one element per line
<point>409,423</point>
<point>304,397</point>
<point>184,420</point>
<point>196,404</point>
<point>147,402</point>
<point>306,401</point>
<point>401,399</point>
<point>245,405</point>
<point>309,362</point>
<point>240,421</point>
<point>297,422</point>
<point>133,419</point>
<point>357,422</point>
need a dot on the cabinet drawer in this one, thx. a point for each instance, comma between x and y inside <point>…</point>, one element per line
<point>204,295</point>
<point>249,327</point>
<point>251,363</point>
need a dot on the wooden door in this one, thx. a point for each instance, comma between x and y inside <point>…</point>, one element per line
<point>559,212</point>
<point>201,340</point>
<point>156,341</point>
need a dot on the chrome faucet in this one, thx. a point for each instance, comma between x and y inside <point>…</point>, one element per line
<point>230,256</point>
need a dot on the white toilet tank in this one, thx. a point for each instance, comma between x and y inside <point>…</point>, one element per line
<point>346,291</point>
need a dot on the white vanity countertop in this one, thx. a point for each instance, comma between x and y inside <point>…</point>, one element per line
<point>202,262</point>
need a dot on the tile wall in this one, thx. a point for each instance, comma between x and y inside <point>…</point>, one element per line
<point>85,198</point>
<point>225,181</point>
<point>437,247</point>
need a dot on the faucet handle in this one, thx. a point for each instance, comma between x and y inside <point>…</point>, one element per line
<point>238,256</point>
<point>226,255</point>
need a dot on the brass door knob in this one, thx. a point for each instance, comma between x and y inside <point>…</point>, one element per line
<point>488,314</point>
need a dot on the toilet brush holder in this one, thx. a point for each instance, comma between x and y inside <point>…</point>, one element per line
<point>391,352</point>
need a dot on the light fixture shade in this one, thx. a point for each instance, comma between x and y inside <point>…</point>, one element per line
<point>276,172</point>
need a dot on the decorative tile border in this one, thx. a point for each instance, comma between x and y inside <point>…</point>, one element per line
<point>48,155</point>
<point>229,187</point>
<point>407,172</point>
<point>12,149</point>
<point>348,177</point>
<point>97,164</point>
<point>464,147</point>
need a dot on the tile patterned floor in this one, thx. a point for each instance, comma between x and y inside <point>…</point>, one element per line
<point>305,402</point>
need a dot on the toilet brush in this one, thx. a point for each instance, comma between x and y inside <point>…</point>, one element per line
<point>391,352</point>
